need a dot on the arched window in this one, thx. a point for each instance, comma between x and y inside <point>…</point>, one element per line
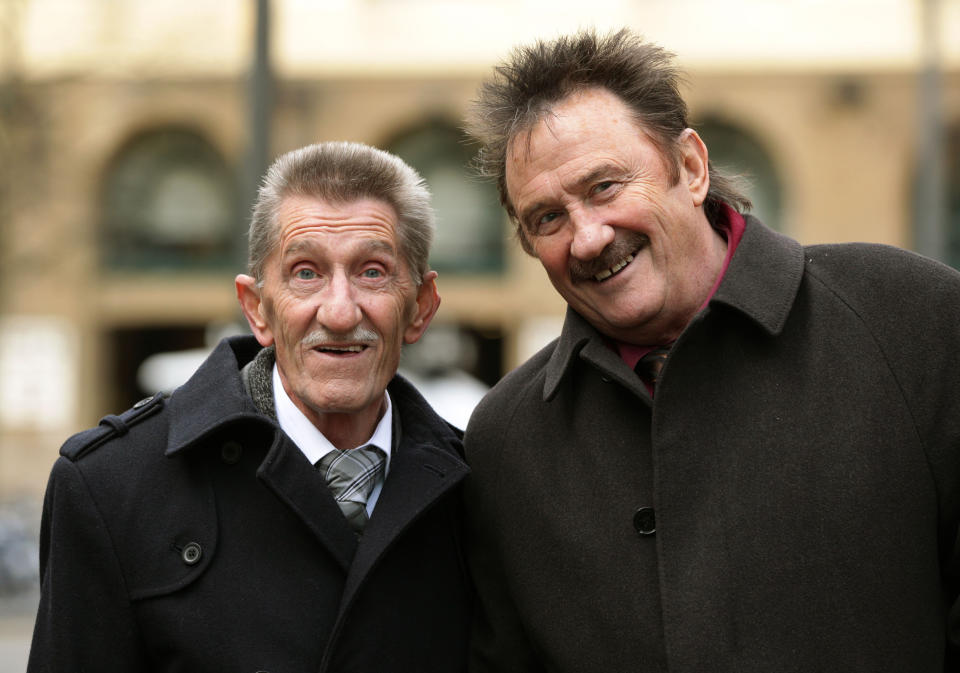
<point>169,200</point>
<point>736,151</point>
<point>470,231</point>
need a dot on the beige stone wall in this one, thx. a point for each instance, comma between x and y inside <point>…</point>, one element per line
<point>846,165</point>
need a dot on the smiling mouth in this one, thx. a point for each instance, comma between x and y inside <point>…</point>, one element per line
<point>615,269</point>
<point>616,257</point>
<point>341,350</point>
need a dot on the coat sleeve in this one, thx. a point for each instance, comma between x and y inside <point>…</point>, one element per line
<point>916,321</point>
<point>85,620</point>
<point>499,643</point>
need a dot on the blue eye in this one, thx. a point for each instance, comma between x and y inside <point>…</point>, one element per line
<point>372,273</point>
<point>602,186</point>
<point>305,274</point>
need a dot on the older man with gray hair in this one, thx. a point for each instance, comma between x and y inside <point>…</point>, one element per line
<point>295,505</point>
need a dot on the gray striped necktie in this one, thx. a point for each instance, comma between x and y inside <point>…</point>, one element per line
<point>351,476</point>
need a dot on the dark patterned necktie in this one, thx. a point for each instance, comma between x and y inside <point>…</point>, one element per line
<point>351,476</point>
<point>651,364</point>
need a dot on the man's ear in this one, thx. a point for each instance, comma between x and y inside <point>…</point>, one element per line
<point>251,303</point>
<point>428,301</point>
<point>695,164</point>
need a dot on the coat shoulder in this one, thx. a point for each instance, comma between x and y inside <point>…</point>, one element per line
<point>518,384</point>
<point>508,398</point>
<point>111,427</point>
<point>901,295</point>
<point>872,267</point>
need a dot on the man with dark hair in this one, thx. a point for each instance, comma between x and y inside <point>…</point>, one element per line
<point>741,454</point>
<point>295,506</point>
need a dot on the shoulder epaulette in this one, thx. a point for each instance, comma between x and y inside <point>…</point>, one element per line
<point>110,427</point>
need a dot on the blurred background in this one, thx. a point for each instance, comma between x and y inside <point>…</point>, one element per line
<point>133,133</point>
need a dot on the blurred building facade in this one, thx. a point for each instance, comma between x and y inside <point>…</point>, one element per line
<point>124,130</point>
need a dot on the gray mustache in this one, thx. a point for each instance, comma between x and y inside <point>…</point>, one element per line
<point>321,336</point>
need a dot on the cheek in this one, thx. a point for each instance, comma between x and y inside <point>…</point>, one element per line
<point>291,317</point>
<point>551,252</point>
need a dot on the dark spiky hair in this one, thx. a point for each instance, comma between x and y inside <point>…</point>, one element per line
<point>536,77</point>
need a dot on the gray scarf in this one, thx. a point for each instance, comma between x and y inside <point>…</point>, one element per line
<point>257,377</point>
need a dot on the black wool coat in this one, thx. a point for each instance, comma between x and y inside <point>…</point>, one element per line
<point>191,534</point>
<point>787,503</point>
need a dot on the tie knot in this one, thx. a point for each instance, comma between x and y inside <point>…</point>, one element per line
<point>351,476</point>
<point>651,364</point>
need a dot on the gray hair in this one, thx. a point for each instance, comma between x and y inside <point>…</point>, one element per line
<point>524,89</point>
<point>343,172</point>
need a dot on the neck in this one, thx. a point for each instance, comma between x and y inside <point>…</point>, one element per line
<point>345,430</point>
<point>702,284</point>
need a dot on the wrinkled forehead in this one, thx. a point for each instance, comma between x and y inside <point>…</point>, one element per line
<point>306,214</point>
<point>554,118</point>
<point>580,124</point>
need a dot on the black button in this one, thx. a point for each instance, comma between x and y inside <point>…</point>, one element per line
<point>230,452</point>
<point>191,553</point>
<point>645,521</point>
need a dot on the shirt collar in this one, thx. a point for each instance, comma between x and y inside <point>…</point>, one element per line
<point>310,440</point>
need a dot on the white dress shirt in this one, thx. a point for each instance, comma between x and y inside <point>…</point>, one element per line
<point>315,446</point>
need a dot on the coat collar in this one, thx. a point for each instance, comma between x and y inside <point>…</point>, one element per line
<point>763,277</point>
<point>761,283</point>
<point>214,396</point>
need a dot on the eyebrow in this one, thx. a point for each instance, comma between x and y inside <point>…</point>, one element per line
<point>605,169</point>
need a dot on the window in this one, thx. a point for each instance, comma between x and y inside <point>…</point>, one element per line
<point>737,152</point>
<point>470,231</point>
<point>169,201</point>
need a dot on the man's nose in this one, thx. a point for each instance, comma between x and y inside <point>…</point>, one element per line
<point>339,311</point>
<point>590,234</point>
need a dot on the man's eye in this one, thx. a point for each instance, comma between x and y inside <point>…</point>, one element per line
<point>546,223</point>
<point>602,186</point>
<point>372,273</point>
<point>305,274</point>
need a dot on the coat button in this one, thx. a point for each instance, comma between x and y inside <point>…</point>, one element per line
<point>191,553</point>
<point>142,403</point>
<point>230,452</point>
<point>645,521</point>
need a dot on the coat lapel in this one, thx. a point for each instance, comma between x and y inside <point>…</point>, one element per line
<point>288,473</point>
<point>420,475</point>
<point>425,465</point>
